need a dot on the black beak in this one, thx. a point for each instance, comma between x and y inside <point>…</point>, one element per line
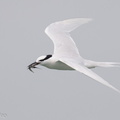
<point>32,66</point>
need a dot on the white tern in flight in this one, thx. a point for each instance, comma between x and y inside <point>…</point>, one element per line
<point>66,55</point>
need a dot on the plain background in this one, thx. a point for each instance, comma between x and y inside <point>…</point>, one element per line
<point>51,94</point>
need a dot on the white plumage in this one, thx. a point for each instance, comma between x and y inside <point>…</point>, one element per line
<point>66,55</point>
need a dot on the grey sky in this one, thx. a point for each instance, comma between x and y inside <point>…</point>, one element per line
<point>51,94</point>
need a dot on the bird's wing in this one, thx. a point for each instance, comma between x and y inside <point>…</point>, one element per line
<point>64,46</point>
<point>81,68</point>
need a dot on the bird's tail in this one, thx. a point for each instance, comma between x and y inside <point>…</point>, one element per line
<point>93,64</point>
<point>108,64</point>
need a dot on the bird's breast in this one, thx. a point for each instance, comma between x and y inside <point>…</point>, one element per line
<point>56,64</point>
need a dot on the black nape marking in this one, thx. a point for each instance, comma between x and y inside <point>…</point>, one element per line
<point>47,57</point>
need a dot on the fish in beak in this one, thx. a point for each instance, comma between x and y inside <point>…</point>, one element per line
<point>33,65</point>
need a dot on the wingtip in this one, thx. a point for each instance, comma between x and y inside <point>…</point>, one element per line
<point>117,90</point>
<point>78,19</point>
<point>88,19</point>
<point>81,20</point>
<point>69,24</point>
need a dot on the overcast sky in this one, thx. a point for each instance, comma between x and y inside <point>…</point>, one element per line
<point>51,94</point>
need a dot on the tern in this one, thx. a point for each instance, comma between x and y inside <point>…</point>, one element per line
<point>66,55</point>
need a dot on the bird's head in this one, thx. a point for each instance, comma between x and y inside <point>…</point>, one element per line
<point>38,61</point>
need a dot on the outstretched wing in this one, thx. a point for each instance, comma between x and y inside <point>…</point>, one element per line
<point>64,46</point>
<point>81,68</point>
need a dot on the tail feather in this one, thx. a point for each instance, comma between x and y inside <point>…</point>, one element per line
<point>93,64</point>
<point>108,64</point>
